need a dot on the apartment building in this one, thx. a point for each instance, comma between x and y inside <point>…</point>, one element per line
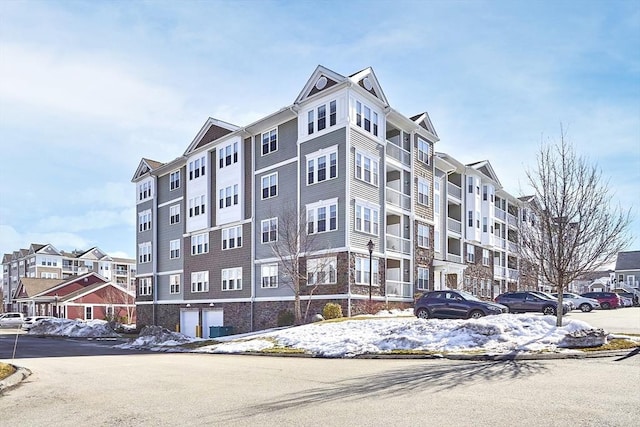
<point>388,217</point>
<point>44,261</point>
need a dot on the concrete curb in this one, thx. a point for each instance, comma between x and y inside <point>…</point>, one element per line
<point>14,379</point>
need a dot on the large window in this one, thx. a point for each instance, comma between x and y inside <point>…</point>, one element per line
<point>321,271</point>
<point>144,220</point>
<point>144,286</point>
<point>269,142</point>
<point>228,196</point>
<point>269,275</point>
<point>269,230</point>
<point>174,214</point>
<point>317,118</point>
<point>367,218</point>
<point>232,279</point>
<point>367,168</point>
<point>144,190</point>
<point>196,206</point>
<point>199,244</point>
<point>144,252</point>
<point>423,278</point>
<point>228,155</point>
<point>423,192</point>
<point>322,217</point>
<point>366,118</point>
<point>197,168</point>
<point>174,249</point>
<point>174,284</point>
<point>423,151</point>
<point>322,166</point>
<point>270,185</point>
<point>232,237</point>
<point>485,257</point>
<point>199,281</point>
<point>174,180</point>
<point>423,235</point>
<point>362,271</point>
<point>471,253</point>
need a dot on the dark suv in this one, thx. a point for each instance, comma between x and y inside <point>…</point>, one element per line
<point>606,299</point>
<point>521,302</point>
<point>451,304</point>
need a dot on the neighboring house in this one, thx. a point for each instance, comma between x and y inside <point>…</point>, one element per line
<point>89,296</point>
<point>360,174</point>
<point>46,262</point>
<point>594,281</point>
<point>627,271</point>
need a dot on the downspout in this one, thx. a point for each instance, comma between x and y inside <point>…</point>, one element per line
<point>253,231</point>
<point>154,246</point>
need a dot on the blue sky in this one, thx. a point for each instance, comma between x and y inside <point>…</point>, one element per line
<point>89,88</point>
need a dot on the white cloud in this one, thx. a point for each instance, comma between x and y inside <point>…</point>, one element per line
<point>11,239</point>
<point>93,219</point>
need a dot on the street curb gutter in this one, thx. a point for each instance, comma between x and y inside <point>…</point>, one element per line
<point>14,379</point>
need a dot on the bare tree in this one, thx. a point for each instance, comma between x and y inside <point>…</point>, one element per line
<point>569,226</point>
<point>121,300</point>
<point>293,247</point>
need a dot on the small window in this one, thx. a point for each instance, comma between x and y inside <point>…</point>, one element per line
<point>269,142</point>
<point>269,276</point>
<point>270,186</point>
<point>269,230</point>
<point>174,180</point>
<point>423,151</point>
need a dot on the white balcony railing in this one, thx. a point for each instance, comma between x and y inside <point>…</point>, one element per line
<point>513,247</point>
<point>398,199</point>
<point>454,258</point>
<point>398,289</point>
<point>499,272</point>
<point>513,274</point>
<point>398,244</point>
<point>399,154</point>
<point>512,220</point>
<point>454,225</point>
<point>454,190</point>
<point>500,214</point>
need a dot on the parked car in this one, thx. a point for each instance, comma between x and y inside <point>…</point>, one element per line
<point>29,322</point>
<point>554,297</point>
<point>11,320</point>
<point>607,300</point>
<point>629,295</point>
<point>452,304</point>
<point>526,301</point>
<point>626,301</point>
<point>584,304</point>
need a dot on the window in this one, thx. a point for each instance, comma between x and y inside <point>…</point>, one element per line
<point>270,185</point>
<point>436,240</point>
<point>174,284</point>
<point>484,224</point>
<point>174,249</point>
<point>370,122</point>
<point>269,142</point>
<point>196,168</point>
<point>321,271</point>
<point>174,180</point>
<point>423,192</point>
<point>423,235</point>
<point>485,257</point>
<point>332,113</point>
<point>232,237</point>
<point>367,168</point>
<point>423,278</point>
<point>228,196</point>
<point>310,120</point>
<point>196,206</point>
<point>317,117</point>
<point>269,230</point>
<point>232,279</point>
<point>174,214</point>
<point>200,281</point>
<point>367,219</point>
<point>471,253</point>
<point>317,166</point>
<point>362,271</point>
<point>144,220</point>
<point>322,117</point>
<point>144,190</point>
<point>88,312</point>
<point>470,185</point>
<point>484,192</point>
<point>322,217</point>
<point>144,252</point>
<point>477,220</point>
<point>228,155</point>
<point>470,219</point>
<point>144,286</point>
<point>200,244</point>
<point>423,151</point>
<point>269,275</point>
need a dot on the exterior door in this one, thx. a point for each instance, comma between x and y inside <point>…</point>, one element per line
<point>211,318</point>
<point>189,320</point>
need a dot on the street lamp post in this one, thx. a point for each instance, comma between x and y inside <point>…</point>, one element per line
<point>370,245</point>
<point>55,298</point>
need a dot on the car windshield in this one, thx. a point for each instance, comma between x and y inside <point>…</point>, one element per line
<point>468,296</point>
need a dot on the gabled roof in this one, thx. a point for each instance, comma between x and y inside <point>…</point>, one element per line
<point>145,166</point>
<point>424,121</point>
<point>47,249</point>
<point>628,260</point>
<point>33,286</point>
<point>367,80</point>
<point>71,280</point>
<point>6,258</point>
<point>321,79</point>
<point>94,253</point>
<point>210,131</point>
<point>485,168</point>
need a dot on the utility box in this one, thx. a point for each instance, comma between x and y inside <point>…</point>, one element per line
<point>220,331</point>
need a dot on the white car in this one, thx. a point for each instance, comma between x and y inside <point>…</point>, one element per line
<point>11,320</point>
<point>30,322</point>
<point>584,304</point>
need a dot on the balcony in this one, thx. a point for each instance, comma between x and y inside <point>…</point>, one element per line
<point>500,242</point>
<point>512,220</point>
<point>513,247</point>
<point>454,258</point>
<point>121,272</point>
<point>500,214</point>
<point>454,191</point>
<point>499,272</point>
<point>454,225</point>
<point>398,244</point>
<point>398,199</point>
<point>513,274</point>
<point>398,153</point>
<point>399,289</point>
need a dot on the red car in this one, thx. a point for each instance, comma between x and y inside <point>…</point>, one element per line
<point>606,299</point>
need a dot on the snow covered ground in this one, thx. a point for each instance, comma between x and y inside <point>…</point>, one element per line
<point>383,333</point>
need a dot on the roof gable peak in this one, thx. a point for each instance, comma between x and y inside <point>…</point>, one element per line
<point>321,79</point>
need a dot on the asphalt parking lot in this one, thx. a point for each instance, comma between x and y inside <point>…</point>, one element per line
<point>621,320</point>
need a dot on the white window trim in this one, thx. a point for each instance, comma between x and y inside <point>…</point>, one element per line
<point>262,187</point>
<point>315,207</point>
<point>237,240</point>
<point>195,242</point>
<point>425,184</point>
<point>174,288</point>
<point>268,223</point>
<point>362,271</point>
<point>374,161</point>
<point>177,173</point>
<point>420,283</point>
<point>322,265</point>
<point>144,253</point>
<point>426,153</point>
<point>423,237</point>
<point>313,157</point>
<point>231,274</point>
<point>144,286</point>
<point>373,208</point>
<point>174,245</point>
<point>199,277</point>
<point>268,134</point>
<point>174,212</point>
<point>269,271</point>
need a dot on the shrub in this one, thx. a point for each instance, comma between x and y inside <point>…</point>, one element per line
<point>332,310</point>
<point>285,318</point>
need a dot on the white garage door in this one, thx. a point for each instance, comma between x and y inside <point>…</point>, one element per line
<point>188,322</point>
<point>211,318</point>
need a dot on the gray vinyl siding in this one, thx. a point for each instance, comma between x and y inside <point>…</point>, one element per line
<point>166,233</point>
<point>145,236</point>
<point>283,289</point>
<point>287,145</point>
<point>329,189</point>
<point>365,191</point>
<point>164,290</point>
<point>277,206</point>
<point>246,195</point>
<point>164,192</point>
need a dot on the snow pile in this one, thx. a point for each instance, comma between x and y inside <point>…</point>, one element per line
<point>157,338</point>
<point>73,328</point>
<point>492,334</point>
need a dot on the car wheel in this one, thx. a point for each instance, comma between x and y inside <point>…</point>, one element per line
<point>586,307</point>
<point>549,310</point>
<point>605,305</point>
<point>423,313</point>
<point>476,314</point>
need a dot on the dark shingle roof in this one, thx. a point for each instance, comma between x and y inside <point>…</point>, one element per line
<point>628,260</point>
